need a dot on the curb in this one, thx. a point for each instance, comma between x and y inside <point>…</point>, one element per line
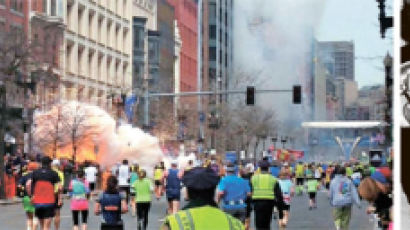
<point>10,201</point>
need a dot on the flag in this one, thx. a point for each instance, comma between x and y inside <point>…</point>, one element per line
<point>129,105</point>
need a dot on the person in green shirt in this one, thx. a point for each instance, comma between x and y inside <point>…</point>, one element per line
<point>143,189</point>
<point>312,187</point>
<point>133,178</point>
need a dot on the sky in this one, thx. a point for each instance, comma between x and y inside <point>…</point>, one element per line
<point>357,20</point>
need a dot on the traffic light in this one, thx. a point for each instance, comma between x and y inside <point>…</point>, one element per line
<point>297,94</point>
<point>250,95</point>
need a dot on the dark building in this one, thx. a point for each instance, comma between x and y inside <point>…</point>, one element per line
<point>338,58</point>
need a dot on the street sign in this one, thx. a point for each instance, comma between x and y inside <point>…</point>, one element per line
<point>231,157</point>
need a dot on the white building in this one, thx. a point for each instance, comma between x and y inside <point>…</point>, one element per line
<point>96,60</point>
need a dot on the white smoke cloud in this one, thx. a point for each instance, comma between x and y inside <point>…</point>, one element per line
<point>275,38</point>
<point>97,137</point>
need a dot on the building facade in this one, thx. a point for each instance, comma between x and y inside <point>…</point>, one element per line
<point>96,57</point>
<point>219,26</point>
<point>187,19</point>
<point>338,58</point>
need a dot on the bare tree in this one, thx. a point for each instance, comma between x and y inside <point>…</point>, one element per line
<point>49,133</point>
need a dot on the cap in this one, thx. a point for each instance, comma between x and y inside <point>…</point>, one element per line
<point>264,164</point>
<point>174,162</point>
<point>55,163</point>
<point>200,178</point>
<point>379,177</point>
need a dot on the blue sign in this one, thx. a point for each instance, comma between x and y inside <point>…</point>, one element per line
<point>231,157</point>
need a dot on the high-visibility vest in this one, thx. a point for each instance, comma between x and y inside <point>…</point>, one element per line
<point>158,174</point>
<point>299,171</point>
<point>263,185</point>
<point>203,218</point>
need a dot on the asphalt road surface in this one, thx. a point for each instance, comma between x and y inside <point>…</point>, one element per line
<point>13,218</point>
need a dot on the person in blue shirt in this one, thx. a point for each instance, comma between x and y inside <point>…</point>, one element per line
<point>232,194</point>
<point>275,169</point>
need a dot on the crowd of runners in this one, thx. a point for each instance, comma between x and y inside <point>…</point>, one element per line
<point>218,195</point>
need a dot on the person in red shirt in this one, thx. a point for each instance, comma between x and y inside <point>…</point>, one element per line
<point>42,188</point>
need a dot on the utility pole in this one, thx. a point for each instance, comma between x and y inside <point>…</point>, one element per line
<point>199,69</point>
<point>3,112</point>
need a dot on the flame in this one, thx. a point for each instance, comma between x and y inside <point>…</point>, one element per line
<point>97,138</point>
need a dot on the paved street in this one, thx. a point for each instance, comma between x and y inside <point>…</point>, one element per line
<point>12,217</point>
<point>405,212</point>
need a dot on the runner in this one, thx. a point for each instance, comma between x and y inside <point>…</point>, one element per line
<point>233,192</point>
<point>329,172</point>
<point>42,188</point>
<point>158,179</point>
<point>143,188</point>
<point>79,193</point>
<point>343,194</point>
<point>288,191</point>
<point>27,205</point>
<point>111,204</point>
<point>313,185</point>
<point>123,179</point>
<point>299,174</point>
<point>133,178</point>
<point>173,187</point>
<point>91,176</point>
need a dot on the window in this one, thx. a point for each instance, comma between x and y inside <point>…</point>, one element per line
<point>45,6</point>
<point>212,10</point>
<point>17,5</point>
<point>53,8</point>
<point>3,2</point>
<point>139,37</point>
<point>212,32</point>
<point>212,53</point>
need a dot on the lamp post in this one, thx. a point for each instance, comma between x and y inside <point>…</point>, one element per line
<point>283,139</point>
<point>388,63</point>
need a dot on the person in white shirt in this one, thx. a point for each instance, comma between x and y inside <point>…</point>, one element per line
<point>123,178</point>
<point>91,176</point>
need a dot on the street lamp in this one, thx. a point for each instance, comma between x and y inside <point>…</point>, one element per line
<point>388,63</point>
<point>283,139</point>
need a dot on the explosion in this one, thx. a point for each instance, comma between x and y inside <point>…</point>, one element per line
<point>85,132</point>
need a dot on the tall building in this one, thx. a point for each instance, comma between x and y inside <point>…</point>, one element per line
<point>163,81</point>
<point>216,56</point>
<point>347,94</point>
<point>338,58</point>
<point>145,55</point>
<point>218,37</point>
<point>95,61</point>
<point>187,23</point>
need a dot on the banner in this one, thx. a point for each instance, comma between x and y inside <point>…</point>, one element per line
<point>289,154</point>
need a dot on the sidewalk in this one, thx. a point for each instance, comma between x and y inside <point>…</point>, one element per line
<point>15,200</point>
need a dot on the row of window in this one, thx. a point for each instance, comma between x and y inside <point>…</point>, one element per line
<point>16,5</point>
<point>115,35</point>
<point>94,65</point>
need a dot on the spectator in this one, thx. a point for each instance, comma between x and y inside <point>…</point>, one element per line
<point>343,194</point>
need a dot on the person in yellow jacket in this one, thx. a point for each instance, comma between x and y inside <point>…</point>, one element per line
<point>201,212</point>
<point>266,194</point>
<point>158,180</point>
